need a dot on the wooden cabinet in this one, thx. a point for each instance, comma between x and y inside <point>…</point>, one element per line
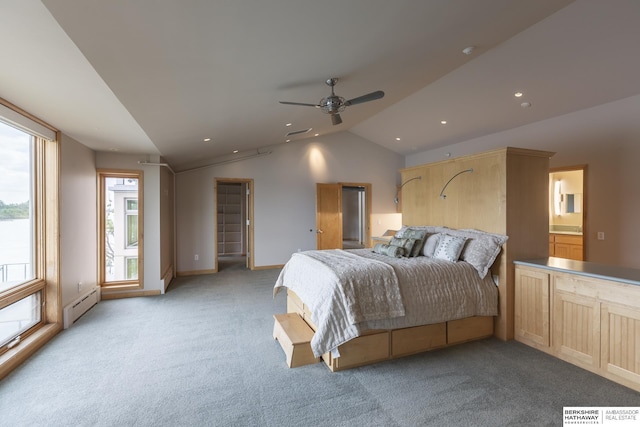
<point>620,334</point>
<point>589,320</point>
<point>576,321</point>
<point>566,246</point>
<point>532,307</point>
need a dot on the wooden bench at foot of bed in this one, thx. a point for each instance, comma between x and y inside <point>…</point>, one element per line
<point>378,345</point>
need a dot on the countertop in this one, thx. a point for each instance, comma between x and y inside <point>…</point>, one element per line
<point>630,276</point>
<point>571,233</point>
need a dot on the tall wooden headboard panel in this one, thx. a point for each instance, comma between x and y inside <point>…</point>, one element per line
<point>507,193</point>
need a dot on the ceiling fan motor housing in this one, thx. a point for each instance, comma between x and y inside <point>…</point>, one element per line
<point>332,104</point>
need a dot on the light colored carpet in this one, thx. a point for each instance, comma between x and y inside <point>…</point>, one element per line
<point>203,355</point>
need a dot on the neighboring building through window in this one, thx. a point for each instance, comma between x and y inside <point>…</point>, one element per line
<point>121,228</point>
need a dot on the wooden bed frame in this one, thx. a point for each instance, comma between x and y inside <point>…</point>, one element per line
<point>508,193</point>
<point>382,344</point>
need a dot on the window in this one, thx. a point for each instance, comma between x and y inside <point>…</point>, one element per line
<point>17,244</point>
<point>29,229</point>
<point>120,228</point>
<point>131,222</point>
<point>20,317</point>
<point>132,268</point>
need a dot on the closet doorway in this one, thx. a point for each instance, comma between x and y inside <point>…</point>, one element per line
<point>233,224</point>
<point>354,214</point>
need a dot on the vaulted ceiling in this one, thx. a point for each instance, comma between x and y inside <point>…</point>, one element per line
<point>161,76</point>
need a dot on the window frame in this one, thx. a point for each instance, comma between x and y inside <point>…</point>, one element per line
<point>122,285</point>
<point>46,252</point>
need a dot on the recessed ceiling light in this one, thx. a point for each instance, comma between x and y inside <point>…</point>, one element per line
<point>518,94</point>
<point>468,50</point>
<point>397,138</point>
<point>317,134</point>
<point>525,105</point>
<point>235,151</point>
<point>288,124</point>
<point>443,122</point>
<point>207,139</point>
<point>288,140</point>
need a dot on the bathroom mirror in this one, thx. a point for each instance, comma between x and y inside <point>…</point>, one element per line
<point>573,203</point>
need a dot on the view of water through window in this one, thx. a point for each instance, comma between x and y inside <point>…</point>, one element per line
<point>16,219</point>
<point>17,240</point>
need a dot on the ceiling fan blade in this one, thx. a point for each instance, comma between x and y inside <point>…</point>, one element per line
<point>336,119</point>
<point>365,98</point>
<point>299,103</point>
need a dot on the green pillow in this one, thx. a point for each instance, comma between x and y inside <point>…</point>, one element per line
<point>389,250</point>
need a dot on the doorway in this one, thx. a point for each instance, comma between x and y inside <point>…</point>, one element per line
<point>233,224</point>
<point>353,217</point>
<point>567,212</point>
<point>343,215</point>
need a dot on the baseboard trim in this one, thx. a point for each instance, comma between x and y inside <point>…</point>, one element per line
<point>268,267</point>
<point>119,295</point>
<point>194,272</point>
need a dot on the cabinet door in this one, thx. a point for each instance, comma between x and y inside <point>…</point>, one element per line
<point>621,343</point>
<point>576,322</point>
<point>532,307</point>
<point>564,250</point>
<point>576,252</point>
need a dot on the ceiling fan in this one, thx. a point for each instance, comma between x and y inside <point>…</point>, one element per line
<point>334,104</point>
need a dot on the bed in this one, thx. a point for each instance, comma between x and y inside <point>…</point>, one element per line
<point>430,288</point>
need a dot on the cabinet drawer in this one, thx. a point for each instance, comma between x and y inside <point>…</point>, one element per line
<point>361,351</point>
<point>418,339</point>
<point>568,239</point>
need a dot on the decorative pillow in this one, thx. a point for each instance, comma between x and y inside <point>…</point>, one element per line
<point>430,244</point>
<point>449,247</point>
<point>388,250</point>
<point>419,236</point>
<point>400,233</point>
<point>405,243</point>
<point>429,229</point>
<point>482,249</point>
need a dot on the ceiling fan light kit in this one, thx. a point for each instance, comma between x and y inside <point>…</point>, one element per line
<point>334,104</point>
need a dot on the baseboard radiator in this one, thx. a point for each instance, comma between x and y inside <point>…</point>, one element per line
<point>77,308</point>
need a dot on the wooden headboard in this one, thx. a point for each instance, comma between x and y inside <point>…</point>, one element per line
<point>507,193</point>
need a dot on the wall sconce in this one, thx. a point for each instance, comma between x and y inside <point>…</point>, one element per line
<point>396,200</point>
<point>444,196</point>
<point>557,198</point>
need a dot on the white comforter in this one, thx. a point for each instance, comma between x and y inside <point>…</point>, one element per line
<point>352,291</point>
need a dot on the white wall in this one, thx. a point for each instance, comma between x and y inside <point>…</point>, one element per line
<point>607,139</point>
<point>284,196</point>
<point>78,219</point>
